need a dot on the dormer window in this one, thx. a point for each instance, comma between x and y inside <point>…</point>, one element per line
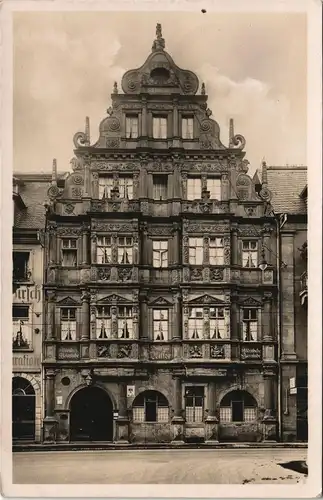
<point>187,128</point>
<point>132,127</point>
<point>159,127</point>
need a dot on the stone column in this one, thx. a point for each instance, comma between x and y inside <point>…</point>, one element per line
<point>52,244</point>
<point>269,419</point>
<point>143,319</point>
<point>123,420</point>
<point>93,248</point>
<point>234,245</point>
<point>51,297</point>
<point>176,243</point>
<point>85,246</point>
<point>49,422</point>
<point>267,330</point>
<point>85,316</point>
<point>211,422</point>
<point>234,323</point>
<point>175,119</point>
<point>178,420</point>
<point>144,120</point>
<point>177,323</point>
<point>287,296</point>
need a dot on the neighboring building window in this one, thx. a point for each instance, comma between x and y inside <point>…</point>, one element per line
<point>126,187</point>
<point>238,406</point>
<point>216,251</point>
<point>159,127</point>
<point>105,186</point>
<point>249,254</point>
<point>250,324</point>
<point>20,266</point>
<point>194,188</point>
<point>217,323</point>
<point>195,251</point>
<point>103,322</point>
<point>125,322</point>
<point>160,187</point>
<point>160,319</point>
<point>69,252</point>
<point>150,406</point>
<point>131,127</point>
<point>21,327</point>
<point>104,250</point>
<point>194,403</point>
<point>214,186</point>
<point>125,250</point>
<point>195,323</point>
<point>187,128</point>
<point>68,323</point>
<point>160,253</point>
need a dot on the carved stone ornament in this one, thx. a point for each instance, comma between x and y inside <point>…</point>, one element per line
<point>195,351</point>
<point>69,208</point>
<point>250,301</point>
<point>125,274</point>
<point>160,301</point>
<point>80,139</point>
<point>124,351</point>
<point>203,228</point>
<point>104,273</point>
<point>206,299</point>
<point>237,142</point>
<point>53,192</point>
<point>217,351</point>
<point>113,143</point>
<point>69,231</point>
<point>68,352</point>
<point>216,274</point>
<point>110,227</point>
<point>68,301</point>
<point>113,299</point>
<point>77,179</point>
<point>103,351</point>
<point>196,274</point>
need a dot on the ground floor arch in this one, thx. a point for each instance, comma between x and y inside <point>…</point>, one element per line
<point>91,415</point>
<point>23,409</point>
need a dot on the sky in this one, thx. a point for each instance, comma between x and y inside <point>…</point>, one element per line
<point>65,63</point>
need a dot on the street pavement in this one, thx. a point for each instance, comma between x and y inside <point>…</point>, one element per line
<point>222,466</point>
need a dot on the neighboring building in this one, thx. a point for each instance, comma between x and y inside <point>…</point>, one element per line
<point>160,324</point>
<point>289,189</point>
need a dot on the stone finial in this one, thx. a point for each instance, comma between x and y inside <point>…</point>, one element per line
<point>231,131</point>
<point>159,42</point>
<point>115,88</point>
<point>87,131</point>
<point>264,176</point>
<point>203,88</point>
<point>54,172</point>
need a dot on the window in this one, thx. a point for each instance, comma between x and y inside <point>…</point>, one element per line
<point>160,187</point>
<point>103,322</point>
<point>195,323</point>
<point>126,187</point>
<point>125,322</point>
<point>217,323</point>
<point>160,319</point>
<point>105,186</point>
<point>104,250</point>
<point>20,266</point>
<point>249,254</point>
<point>187,128</point>
<point>131,127</point>
<point>160,253</point>
<point>214,186</point>
<point>69,252</point>
<point>216,251</point>
<point>238,406</point>
<point>68,323</point>
<point>250,325</point>
<point>194,188</point>
<point>150,406</point>
<point>21,327</point>
<point>159,127</point>
<point>195,251</point>
<point>125,250</point>
<point>194,403</point>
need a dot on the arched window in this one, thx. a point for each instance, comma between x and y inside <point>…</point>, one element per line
<point>238,406</point>
<point>150,406</point>
<point>23,409</point>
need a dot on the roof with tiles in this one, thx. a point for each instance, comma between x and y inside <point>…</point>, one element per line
<point>33,192</point>
<point>287,184</point>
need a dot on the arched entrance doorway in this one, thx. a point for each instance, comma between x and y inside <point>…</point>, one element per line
<point>91,415</point>
<point>23,409</point>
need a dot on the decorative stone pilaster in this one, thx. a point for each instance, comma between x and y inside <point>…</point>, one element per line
<point>114,322</point>
<point>52,243</point>
<point>143,318</point>
<point>206,323</point>
<point>122,420</point>
<point>85,244</point>
<point>51,298</point>
<point>176,243</point>
<point>234,245</point>
<point>175,119</point>
<point>266,239</point>
<point>177,321</point>
<point>267,330</point>
<point>144,243</point>
<point>49,423</point>
<point>135,178</point>
<point>234,322</point>
<point>85,315</point>
<point>184,185</point>
<point>178,420</point>
<point>269,419</point>
<point>93,248</point>
<point>114,248</point>
<point>288,296</point>
<point>206,250</point>
<point>211,422</point>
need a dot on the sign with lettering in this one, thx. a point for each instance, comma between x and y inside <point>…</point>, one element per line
<point>27,294</point>
<point>130,391</point>
<point>205,372</point>
<point>26,362</point>
<point>251,353</point>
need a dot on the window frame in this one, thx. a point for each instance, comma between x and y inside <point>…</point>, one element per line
<point>67,251</point>
<point>216,320</point>
<point>100,246</point>
<point>159,404</point>
<point>122,249</point>
<point>185,129</point>
<point>162,129</point>
<point>161,322</point>
<point>218,259</point>
<point>68,321</point>
<point>194,320</point>
<point>162,187</point>
<point>125,186</point>
<point>212,192</point>
<point>193,197</point>
<point>129,120</point>
<point>249,253</point>
<point>107,186</point>
<point>125,319</point>
<point>197,419</point>
<point>195,247</point>
<point>228,409</point>
<point>17,322</point>
<point>103,321</point>
<point>248,321</point>
<point>26,275</point>
<point>160,252</point>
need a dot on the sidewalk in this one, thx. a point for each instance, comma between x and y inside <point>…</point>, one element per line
<point>82,446</point>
